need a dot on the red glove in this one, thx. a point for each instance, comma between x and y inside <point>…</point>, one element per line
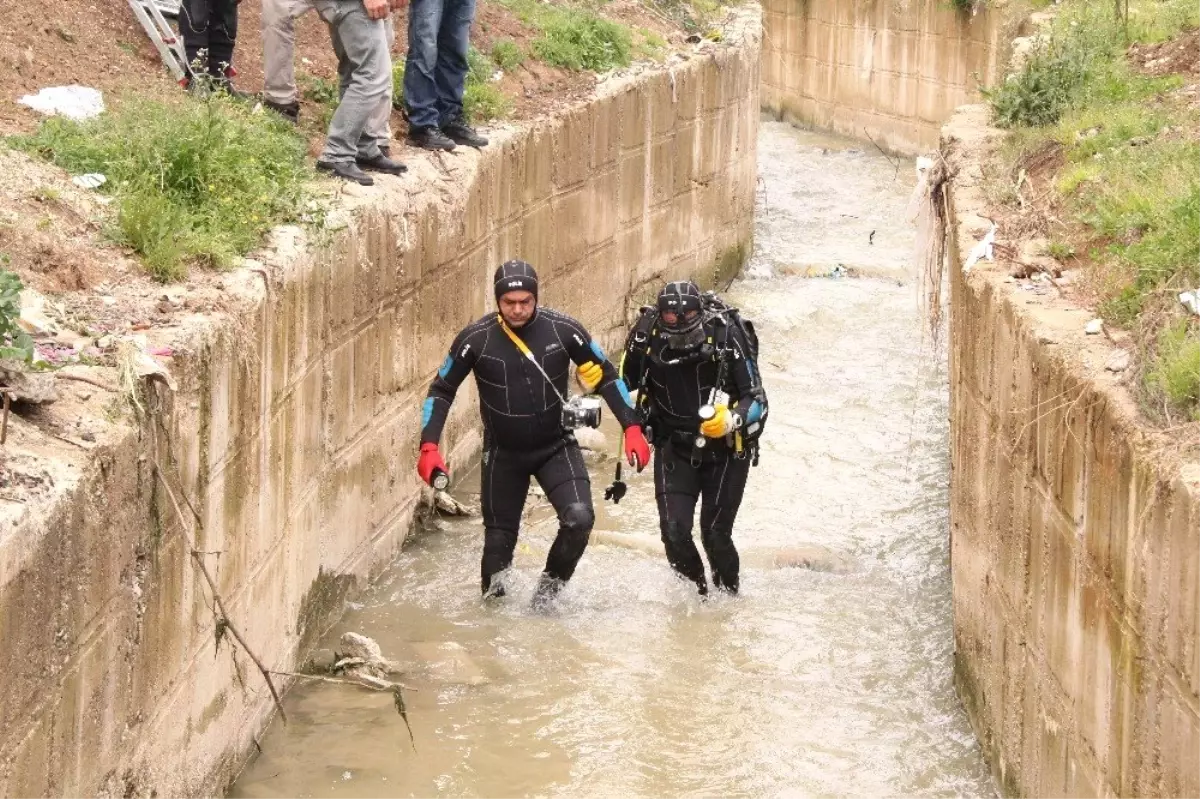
<point>430,459</point>
<point>637,451</point>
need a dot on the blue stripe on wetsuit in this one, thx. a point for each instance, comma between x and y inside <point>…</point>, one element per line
<point>426,412</point>
<point>446,366</point>
<point>599,352</point>
<point>754,413</point>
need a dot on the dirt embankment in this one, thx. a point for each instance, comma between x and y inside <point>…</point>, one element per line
<point>1042,187</point>
<point>101,45</point>
<point>56,236</point>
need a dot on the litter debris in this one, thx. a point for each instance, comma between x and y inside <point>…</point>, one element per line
<point>1119,362</point>
<point>92,180</point>
<point>1191,301</point>
<point>449,506</point>
<point>813,270</point>
<point>135,361</point>
<point>361,655</point>
<point>590,438</point>
<point>73,102</point>
<point>33,319</point>
<point>982,250</point>
<point>1094,327</point>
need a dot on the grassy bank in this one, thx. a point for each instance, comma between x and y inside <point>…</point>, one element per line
<point>1103,160</point>
<point>198,181</point>
<point>194,181</point>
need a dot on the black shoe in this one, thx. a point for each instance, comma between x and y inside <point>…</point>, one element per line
<point>289,111</point>
<point>386,149</point>
<point>381,163</point>
<point>347,171</point>
<point>429,139</point>
<point>462,133</point>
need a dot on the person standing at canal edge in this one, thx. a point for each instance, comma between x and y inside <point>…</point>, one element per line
<point>209,32</point>
<point>358,31</point>
<point>280,93</point>
<point>435,75</point>
<point>691,359</point>
<point>521,357</point>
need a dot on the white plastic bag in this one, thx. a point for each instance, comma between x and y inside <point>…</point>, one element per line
<point>74,102</point>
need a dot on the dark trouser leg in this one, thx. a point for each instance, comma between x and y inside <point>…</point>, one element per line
<point>564,478</point>
<point>222,33</point>
<point>194,18</point>
<point>451,76</point>
<point>676,487</point>
<point>504,485</point>
<point>420,70</point>
<point>722,482</point>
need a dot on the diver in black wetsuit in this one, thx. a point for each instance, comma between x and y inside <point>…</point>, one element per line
<point>522,407</point>
<point>674,356</point>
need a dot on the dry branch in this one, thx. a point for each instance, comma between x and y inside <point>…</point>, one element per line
<point>198,559</point>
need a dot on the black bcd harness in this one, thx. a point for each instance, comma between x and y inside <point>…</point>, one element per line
<point>728,328</point>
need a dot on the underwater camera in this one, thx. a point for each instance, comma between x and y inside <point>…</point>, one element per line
<point>581,412</point>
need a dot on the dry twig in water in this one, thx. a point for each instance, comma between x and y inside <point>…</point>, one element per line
<point>198,559</point>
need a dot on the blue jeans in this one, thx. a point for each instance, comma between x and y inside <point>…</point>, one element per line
<point>435,74</point>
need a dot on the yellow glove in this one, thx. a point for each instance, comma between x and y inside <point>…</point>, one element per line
<point>720,425</point>
<point>590,374</point>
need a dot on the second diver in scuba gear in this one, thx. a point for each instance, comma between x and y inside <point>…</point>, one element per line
<point>691,360</point>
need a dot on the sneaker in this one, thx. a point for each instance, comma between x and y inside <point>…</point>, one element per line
<point>462,133</point>
<point>289,111</point>
<point>381,163</point>
<point>429,138</point>
<point>347,171</point>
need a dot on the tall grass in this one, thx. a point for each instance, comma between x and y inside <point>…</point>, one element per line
<point>196,180</point>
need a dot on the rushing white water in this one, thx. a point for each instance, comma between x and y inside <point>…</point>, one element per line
<point>808,684</point>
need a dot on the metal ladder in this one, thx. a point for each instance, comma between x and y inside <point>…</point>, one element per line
<point>170,44</point>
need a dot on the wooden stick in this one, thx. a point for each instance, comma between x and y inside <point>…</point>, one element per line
<point>212,586</point>
<point>4,424</point>
<point>339,680</point>
<point>85,379</point>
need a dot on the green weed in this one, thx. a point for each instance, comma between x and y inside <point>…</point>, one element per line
<point>196,180</point>
<point>14,341</point>
<point>574,38</point>
<point>1175,368</point>
<point>507,55</point>
<point>324,93</point>
<point>1060,251</point>
<point>578,40</point>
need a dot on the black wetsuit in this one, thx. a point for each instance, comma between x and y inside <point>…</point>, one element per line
<point>209,25</point>
<point>523,433</point>
<point>670,396</point>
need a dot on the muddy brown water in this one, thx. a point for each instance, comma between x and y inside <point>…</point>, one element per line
<point>811,683</point>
